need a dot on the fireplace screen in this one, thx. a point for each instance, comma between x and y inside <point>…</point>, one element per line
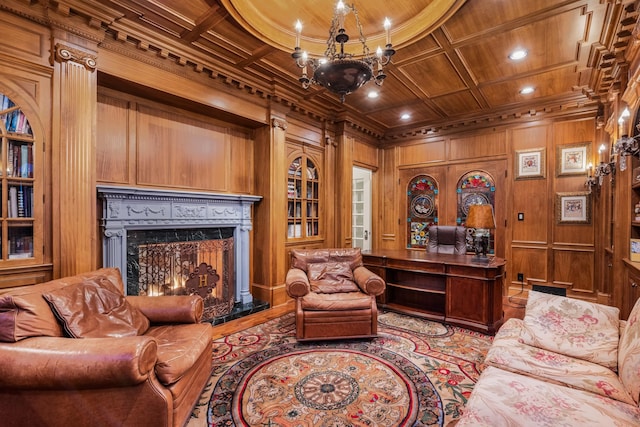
<point>183,267</point>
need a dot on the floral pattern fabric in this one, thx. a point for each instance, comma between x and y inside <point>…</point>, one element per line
<point>572,327</point>
<point>510,354</point>
<point>629,354</point>
<point>505,399</point>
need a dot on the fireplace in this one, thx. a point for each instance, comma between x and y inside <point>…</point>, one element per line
<point>171,243</point>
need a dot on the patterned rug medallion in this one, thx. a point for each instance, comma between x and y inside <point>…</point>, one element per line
<point>415,373</point>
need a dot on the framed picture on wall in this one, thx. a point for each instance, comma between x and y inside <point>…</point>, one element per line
<point>572,159</point>
<point>530,164</point>
<point>635,250</point>
<point>573,208</point>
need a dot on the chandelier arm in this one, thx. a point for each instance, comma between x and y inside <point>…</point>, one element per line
<point>340,71</point>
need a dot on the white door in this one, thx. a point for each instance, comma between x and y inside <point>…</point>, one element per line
<point>361,209</point>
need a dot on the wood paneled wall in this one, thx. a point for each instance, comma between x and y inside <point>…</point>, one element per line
<point>544,251</point>
<point>141,143</point>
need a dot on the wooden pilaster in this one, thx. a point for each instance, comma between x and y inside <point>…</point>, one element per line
<point>73,155</point>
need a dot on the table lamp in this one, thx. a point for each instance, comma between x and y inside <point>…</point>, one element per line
<point>481,218</point>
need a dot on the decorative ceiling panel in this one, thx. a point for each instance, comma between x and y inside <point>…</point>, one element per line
<point>447,72</point>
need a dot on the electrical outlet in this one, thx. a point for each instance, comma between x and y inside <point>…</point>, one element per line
<point>521,277</point>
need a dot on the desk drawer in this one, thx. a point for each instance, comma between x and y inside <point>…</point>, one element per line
<point>431,267</point>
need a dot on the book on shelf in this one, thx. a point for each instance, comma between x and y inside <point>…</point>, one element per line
<point>16,122</point>
<point>6,103</point>
<point>19,160</point>
<point>20,202</point>
<point>21,247</point>
<point>13,202</point>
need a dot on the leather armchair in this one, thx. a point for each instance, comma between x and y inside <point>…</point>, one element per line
<point>335,294</point>
<point>151,379</point>
<point>447,239</point>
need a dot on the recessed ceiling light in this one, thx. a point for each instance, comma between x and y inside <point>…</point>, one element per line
<point>405,116</point>
<point>518,54</point>
<point>373,94</point>
<point>526,90</point>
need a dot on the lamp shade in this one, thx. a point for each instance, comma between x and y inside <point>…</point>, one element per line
<point>480,216</point>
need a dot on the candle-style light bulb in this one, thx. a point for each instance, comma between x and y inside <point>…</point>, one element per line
<point>304,61</point>
<point>601,151</point>
<point>298,31</point>
<point>340,12</point>
<point>387,27</point>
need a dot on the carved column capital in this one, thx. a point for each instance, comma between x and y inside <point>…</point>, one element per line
<point>277,122</point>
<point>65,53</point>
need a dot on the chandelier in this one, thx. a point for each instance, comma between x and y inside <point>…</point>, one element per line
<point>338,71</point>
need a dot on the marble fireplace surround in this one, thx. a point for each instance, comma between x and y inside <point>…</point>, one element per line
<point>135,208</point>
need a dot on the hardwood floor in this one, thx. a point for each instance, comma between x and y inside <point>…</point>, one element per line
<point>512,306</point>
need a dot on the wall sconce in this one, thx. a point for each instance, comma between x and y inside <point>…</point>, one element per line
<point>626,146</point>
<point>602,169</point>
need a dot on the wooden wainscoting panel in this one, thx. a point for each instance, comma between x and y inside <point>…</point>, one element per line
<point>365,154</point>
<point>241,176</point>
<point>30,41</point>
<point>421,153</point>
<point>575,266</point>
<point>112,142</point>
<point>181,151</point>
<point>531,261</point>
<point>478,146</point>
<point>530,198</point>
<point>302,131</point>
<point>390,217</point>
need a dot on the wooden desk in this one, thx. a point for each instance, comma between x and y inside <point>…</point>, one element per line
<point>446,288</point>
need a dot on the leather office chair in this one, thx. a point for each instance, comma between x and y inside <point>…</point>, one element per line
<point>335,294</point>
<point>447,239</point>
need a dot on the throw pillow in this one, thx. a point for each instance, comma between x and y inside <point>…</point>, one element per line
<point>629,354</point>
<point>572,327</point>
<point>27,315</point>
<point>331,277</point>
<point>96,309</point>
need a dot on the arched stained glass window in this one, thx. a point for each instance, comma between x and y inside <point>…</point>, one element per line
<point>422,209</point>
<point>476,187</point>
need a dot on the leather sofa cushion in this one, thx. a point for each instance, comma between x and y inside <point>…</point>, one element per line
<point>332,302</point>
<point>179,347</point>
<point>331,277</point>
<point>24,316</point>
<point>96,309</point>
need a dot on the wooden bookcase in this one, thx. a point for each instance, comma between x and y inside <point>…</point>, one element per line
<point>303,199</point>
<point>21,211</point>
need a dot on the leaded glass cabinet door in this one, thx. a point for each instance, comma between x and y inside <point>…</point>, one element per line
<point>21,233</point>
<point>303,199</point>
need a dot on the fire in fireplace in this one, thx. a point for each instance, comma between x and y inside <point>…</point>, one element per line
<point>182,262</point>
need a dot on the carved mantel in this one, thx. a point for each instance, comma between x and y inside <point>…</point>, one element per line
<point>132,208</point>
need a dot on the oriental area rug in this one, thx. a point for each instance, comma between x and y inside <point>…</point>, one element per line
<point>415,373</point>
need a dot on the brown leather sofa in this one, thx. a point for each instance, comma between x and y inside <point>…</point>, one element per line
<point>335,294</point>
<point>141,362</point>
<point>447,239</point>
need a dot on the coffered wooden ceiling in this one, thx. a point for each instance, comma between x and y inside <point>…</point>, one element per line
<point>451,66</point>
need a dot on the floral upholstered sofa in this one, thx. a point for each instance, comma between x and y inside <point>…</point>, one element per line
<point>567,363</point>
